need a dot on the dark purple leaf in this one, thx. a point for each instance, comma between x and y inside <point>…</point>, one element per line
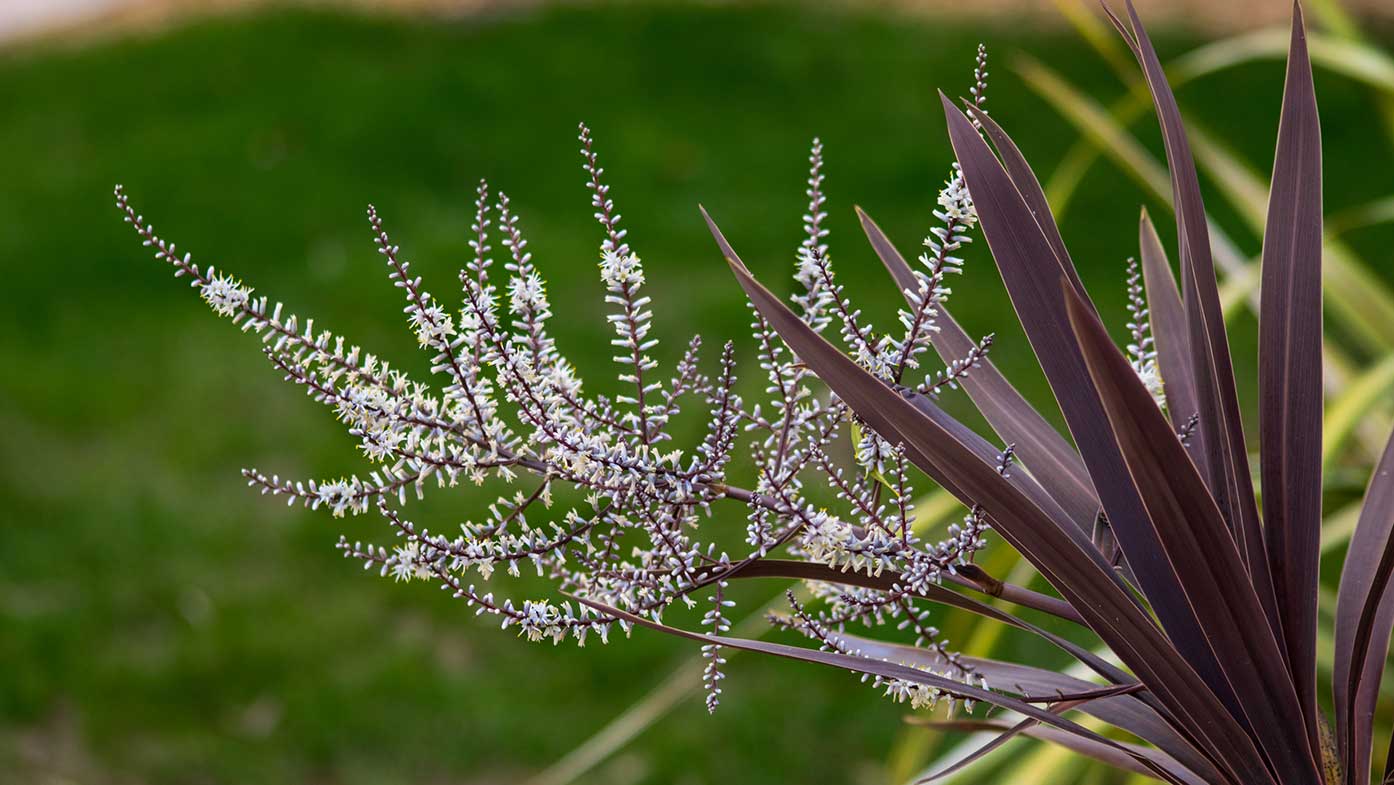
<point>1124,711</point>
<point>1200,550</point>
<point>1085,747</point>
<point>1289,371</point>
<point>1029,190</point>
<point>1014,731</point>
<point>1364,619</point>
<point>1057,707</point>
<point>974,577</point>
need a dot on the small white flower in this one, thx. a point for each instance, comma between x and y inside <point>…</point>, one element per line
<point>540,620</point>
<point>1151,377</point>
<point>433,325</point>
<point>619,272</point>
<point>337,496</point>
<point>527,294</point>
<point>470,322</point>
<point>808,272</point>
<point>225,294</point>
<point>408,565</point>
<point>381,440</point>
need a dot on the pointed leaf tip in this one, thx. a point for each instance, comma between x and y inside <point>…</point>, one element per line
<point>727,251</point>
<point>1290,372</point>
<point>1221,422</point>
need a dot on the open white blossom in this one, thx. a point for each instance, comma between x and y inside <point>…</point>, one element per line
<point>224,294</point>
<point>620,271</point>
<point>433,325</point>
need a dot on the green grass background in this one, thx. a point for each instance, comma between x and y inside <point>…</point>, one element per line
<point>160,623</point>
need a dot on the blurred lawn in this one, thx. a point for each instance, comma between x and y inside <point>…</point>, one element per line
<point>159,623</point>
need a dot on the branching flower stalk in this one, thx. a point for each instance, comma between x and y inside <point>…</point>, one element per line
<point>510,405</point>
<point>1145,522</point>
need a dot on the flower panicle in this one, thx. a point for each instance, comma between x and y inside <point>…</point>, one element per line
<point>506,409</point>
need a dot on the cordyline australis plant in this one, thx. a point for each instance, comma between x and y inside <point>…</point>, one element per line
<point>1149,529</point>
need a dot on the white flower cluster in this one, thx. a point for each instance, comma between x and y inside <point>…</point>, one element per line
<point>433,326</point>
<point>1141,352</point>
<point>510,405</point>
<point>955,204</point>
<point>620,273</point>
<point>716,620</point>
<point>409,564</point>
<point>956,217</point>
<point>508,409</point>
<point>815,299</point>
<point>225,295</point>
